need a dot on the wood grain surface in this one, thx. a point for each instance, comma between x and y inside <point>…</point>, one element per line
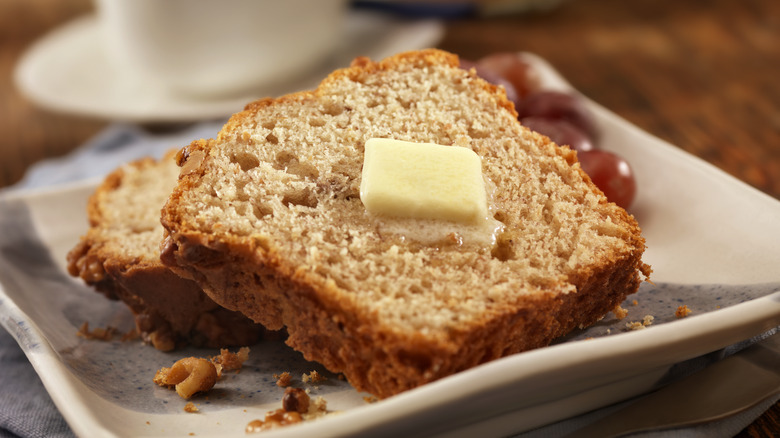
<point>702,75</point>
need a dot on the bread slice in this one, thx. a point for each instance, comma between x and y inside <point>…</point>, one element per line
<point>120,256</point>
<point>267,218</point>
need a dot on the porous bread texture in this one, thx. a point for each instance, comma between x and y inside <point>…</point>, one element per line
<point>267,218</point>
<point>120,256</point>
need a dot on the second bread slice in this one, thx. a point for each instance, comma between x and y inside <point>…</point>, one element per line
<point>120,256</point>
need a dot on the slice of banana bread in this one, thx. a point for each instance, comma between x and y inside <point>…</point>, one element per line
<point>120,256</point>
<point>268,219</point>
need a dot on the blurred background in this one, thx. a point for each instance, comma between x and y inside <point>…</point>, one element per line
<point>701,75</point>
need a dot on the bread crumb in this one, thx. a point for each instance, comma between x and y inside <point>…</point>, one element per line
<point>98,334</point>
<point>317,408</point>
<point>620,312</point>
<point>313,377</point>
<point>131,335</point>
<point>283,379</point>
<point>255,426</point>
<point>636,325</point>
<point>635,303</point>
<point>106,334</point>
<point>682,311</point>
<point>295,400</point>
<point>228,361</point>
<point>370,399</point>
<point>191,408</point>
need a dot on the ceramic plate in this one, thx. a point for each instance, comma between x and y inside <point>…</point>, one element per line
<point>712,241</point>
<point>68,71</point>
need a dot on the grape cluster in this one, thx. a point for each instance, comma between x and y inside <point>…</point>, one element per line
<point>563,117</point>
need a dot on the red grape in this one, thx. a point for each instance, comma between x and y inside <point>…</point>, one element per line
<point>511,66</point>
<point>611,174</point>
<point>560,131</point>
<point>494,78</point>
<point>559,105</point>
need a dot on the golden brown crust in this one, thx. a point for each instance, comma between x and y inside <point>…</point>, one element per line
<point>331,334</point>
<point>253,275</point>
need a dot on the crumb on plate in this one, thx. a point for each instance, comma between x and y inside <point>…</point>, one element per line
<point>683,311</point>
<point>227,361</point>
<point>297,406</point>
<point>283,379</point>
<point>98,334</point>
<point>637,325</point>
<point>313,377</point>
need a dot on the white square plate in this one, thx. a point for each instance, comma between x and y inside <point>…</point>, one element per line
<point>712,242</point>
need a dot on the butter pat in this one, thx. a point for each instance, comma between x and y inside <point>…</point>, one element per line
<point>423,181</point>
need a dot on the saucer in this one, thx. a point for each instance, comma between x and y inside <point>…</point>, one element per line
<point>69,71</point>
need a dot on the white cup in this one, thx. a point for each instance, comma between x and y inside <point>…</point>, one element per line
<point>211,48</point>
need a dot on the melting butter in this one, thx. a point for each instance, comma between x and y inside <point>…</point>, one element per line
<point>423,181</point>
<point>426,192</point>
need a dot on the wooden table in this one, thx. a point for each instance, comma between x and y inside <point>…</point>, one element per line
<point>701,75</point>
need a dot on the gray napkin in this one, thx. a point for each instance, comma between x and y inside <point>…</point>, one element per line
<point>116,145</point>
<point>25,407</point>
<point>26,410</point>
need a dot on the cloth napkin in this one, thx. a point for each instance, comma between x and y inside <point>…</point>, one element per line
<point>26,410</point>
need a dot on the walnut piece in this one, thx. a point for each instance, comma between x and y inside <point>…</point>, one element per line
<point>296,407</point>
<point>189,376</point>
<point>295,400</point>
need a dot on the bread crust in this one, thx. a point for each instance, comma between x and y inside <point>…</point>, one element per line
<point>251,275</point>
